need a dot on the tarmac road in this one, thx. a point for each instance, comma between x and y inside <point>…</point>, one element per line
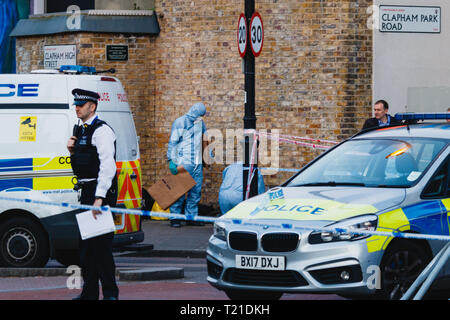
<point>173,247</point>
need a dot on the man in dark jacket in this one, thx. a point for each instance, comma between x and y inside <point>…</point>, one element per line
<point>382,118</point>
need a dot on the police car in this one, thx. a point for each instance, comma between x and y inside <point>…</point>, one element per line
<point>386,179</point>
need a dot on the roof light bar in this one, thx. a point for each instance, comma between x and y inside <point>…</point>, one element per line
<point>77,69</point>
<point>422,116</point>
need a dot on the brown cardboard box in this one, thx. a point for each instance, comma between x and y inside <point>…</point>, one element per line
<point>170,188</point>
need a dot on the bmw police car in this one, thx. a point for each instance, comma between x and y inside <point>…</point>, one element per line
<point>386,179</point>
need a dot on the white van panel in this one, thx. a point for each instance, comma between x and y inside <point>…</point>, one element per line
<point>126,140</point>
<point>38,116</point>
<point>112,96</point>
<point>46,142</point>
<point>41,89</point>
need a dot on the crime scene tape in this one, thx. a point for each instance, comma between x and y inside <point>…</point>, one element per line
<point>252,131</point>
<point>276,169</point>
<point>298,143</point>
<point>244,222</point>
<point>292,139</point>
<point>302,138</point>
<point>289,226</point>
<point>280,169</point>
<point>251,173</point>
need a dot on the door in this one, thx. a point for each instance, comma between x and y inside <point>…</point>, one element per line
<point>439,188</point>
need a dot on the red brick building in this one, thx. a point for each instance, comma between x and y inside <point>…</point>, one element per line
<point>313,77</point>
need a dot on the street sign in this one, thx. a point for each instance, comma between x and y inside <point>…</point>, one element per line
<point>410,19</point>
<point>56,56</point>
<point>256,34</point>
<point>242,35</point>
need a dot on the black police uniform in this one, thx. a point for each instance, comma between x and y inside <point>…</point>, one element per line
<point>96,258</point>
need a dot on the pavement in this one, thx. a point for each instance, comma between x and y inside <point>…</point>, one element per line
<point>162,240</point>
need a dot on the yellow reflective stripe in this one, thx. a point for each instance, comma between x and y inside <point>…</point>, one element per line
<point>300,210</point>
<point>129,194</point>
<point>52,183</point>
<point>56,163</point>
<point>387,222</point>
<point>446,203</point>
<point>393,220</point>
<point>375,243</point>
<point>133,222</point>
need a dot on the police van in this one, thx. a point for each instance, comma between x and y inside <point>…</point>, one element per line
<point>37,119</point>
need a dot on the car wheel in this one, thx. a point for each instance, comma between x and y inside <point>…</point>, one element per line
<point>401,265</point>
<point>252,295</point>
<point>23,243</point>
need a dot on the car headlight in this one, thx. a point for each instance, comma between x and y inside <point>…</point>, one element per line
<point>366,223</point>
<point>219,231</point>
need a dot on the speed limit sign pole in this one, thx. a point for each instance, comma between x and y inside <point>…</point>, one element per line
<point>249,114</point>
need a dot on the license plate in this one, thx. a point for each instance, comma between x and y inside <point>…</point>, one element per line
<point>260,262</point>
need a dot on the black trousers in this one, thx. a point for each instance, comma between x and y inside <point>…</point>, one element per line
<point>96,259</point>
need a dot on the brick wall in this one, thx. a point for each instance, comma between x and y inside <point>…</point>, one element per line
<point>313,77</point>
<point>136,75</point>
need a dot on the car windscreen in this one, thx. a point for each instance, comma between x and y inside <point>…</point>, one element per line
<point>395,163</point>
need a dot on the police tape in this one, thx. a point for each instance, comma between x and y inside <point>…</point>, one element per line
<point>251,172</point>
<point>298,143</point>
<point>277,169</point>
<point>290,139</point>
<point>86,207</point>
<point>240,222</point>
<point>336,231</point>
<point>252,131</point>
<point>302,138</point>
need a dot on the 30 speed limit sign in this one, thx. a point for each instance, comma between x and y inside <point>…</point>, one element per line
<point>256,34</point>
<point>242,35</point>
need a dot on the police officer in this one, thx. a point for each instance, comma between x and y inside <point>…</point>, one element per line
<point>92,148</point>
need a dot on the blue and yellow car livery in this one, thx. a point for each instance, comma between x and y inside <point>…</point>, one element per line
<point>394,179</point>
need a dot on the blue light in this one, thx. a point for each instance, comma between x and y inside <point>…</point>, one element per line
<point>422,116</point>
<point>77,69</point>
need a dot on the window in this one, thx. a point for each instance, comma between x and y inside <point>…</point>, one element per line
<point>439,187</point>
<point>388,163</point>
<point>62,5</point>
